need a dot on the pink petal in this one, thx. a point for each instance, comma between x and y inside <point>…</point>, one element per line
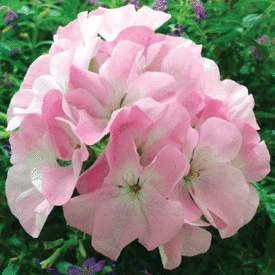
<point>79,211</point>
<point>123,160</point>
<point>186,68</point>
<point>89,129</point>
<point>95,84</point>
<point>21,100</point>
<point>251,208</point>
<point>93,178</point>
<point>117,223</point>
<point>156,85</point>
<point>164,217</point>
<point>190,241</point>
<point>41,66</point>
<point>148,17</point>
<point>164,175</point>
<point>221,196</point>
<point>219,141</point>
<point>191,211</point>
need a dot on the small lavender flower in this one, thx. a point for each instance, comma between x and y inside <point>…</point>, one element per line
<point>14,25</point>
<point>15,50</point>
<point>37,261</point>
<point>7,147</point>
<point>11,15</point>
<point>10,83</point>
<point>52,270</point>
<point>72,247</point>
<point>136,3</point>
<point>89,264</point>
<point>199,10</point>
<point>161,5</point>
<point>144,272</point>
<point>263,38</point>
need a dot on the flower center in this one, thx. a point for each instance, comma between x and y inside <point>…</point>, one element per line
<point>191,175</point>
<point>134,189</point>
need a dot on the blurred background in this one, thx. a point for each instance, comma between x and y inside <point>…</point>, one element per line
<point>239,37</point>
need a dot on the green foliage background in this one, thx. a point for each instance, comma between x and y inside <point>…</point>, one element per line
<point>227,34</point>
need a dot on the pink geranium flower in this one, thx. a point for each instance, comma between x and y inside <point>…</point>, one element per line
<point>133,202</point>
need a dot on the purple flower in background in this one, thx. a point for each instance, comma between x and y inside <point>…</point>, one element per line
<point>11,15</point>
<point>178,30</point>
<point>199,10</point>
<point>263,38</point>
<point>10,83</point>
<point>161,5</point>
<point>7,147</point>
<point>37,261</point>
<point>72,247</point>
<point>15,50</point>
<point>14,25</point>
<point>52,270</point>
<point>135,2</point>
<point>145,272</point>
<point>99,3</point>
<point>89,264</point>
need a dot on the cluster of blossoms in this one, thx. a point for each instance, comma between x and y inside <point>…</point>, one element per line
<point>199,10</point>
<point>182,143</point>
<point>10,16</point>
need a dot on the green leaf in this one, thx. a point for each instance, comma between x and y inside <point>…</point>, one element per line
<point>227,37</point>
<point>62,267</point>
<point>251,19</point>
<point>270,206</point>
<point>63,163</point>
<point>11,269</point>
<point>50,245</point>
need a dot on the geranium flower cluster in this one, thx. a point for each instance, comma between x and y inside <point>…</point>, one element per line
<point>183,145</point>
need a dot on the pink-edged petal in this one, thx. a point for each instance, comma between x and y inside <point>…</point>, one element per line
<point>168,167</point>
<point>117,223</point>
<point>191,211</point>
<point>123,160</point>
<point>23,199</point>
<point>91,82</point>
<point>60,67</point>
<point>192,139</point>
<point>93,178</point>
<point>196,241</point>
<point>79,211</point>
<point>122,65</point>
<point>41,66</point>
<point>148,17</point>
<point>186,68</point>
<point>58,184</point>
<point>132,120</point>
<point>82,99</point>
<point>157,85</point>
<point>137,34</point>
<point>251,208</point>
<point>32,211</point>
<point>173,129</point>
<point>254,161</point>
<point>222,193</point>
<point>164,217</point>
<point>190,241</point>
<point>90,129</point>
<point>21,100</point>
<point>115,20</point>
<point>220,141</point>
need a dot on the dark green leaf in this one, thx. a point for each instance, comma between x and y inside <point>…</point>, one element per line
<point>11,269</point>
<point>62,267</point>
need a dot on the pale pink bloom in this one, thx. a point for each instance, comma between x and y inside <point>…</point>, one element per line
<point>219,189</point>
<point>191,240</point>
<point>253,158</point>
<point>149,122</point>
<point>36,182</point>
<point>239,103</point>
<point>133,202</point>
